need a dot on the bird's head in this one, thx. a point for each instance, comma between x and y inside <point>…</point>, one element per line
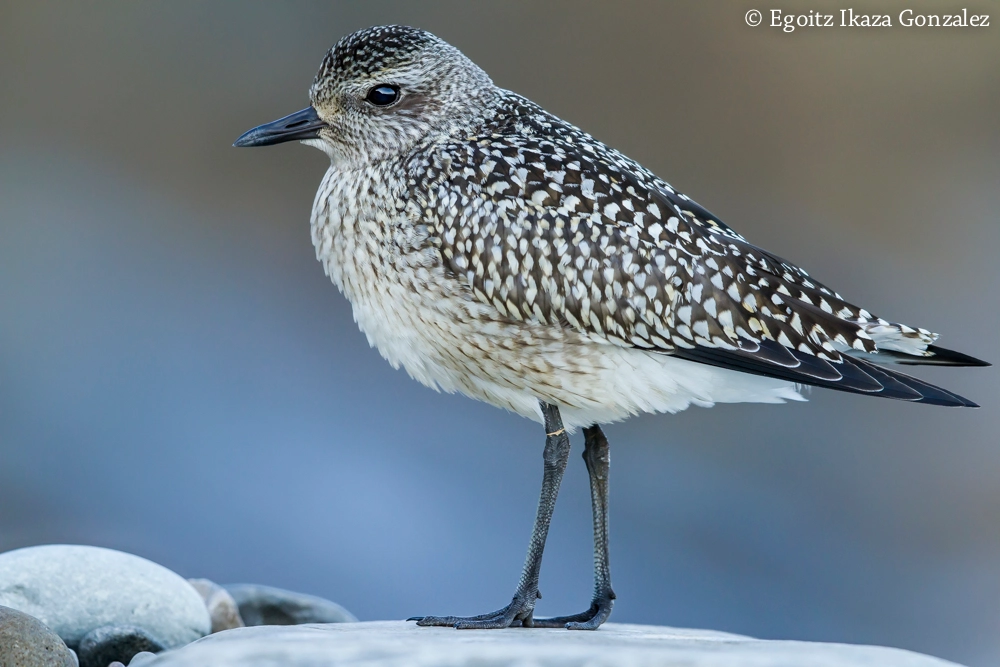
<point>381,91</point>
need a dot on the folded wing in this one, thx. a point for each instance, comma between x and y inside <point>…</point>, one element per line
<point>587,239</point>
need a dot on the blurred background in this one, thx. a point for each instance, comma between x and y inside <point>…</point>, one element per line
<point>178,378</point>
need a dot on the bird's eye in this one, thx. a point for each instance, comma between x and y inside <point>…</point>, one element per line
<point>383,96</point>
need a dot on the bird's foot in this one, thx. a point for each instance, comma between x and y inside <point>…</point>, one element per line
<point>591,619</point>
<point>518,613</point>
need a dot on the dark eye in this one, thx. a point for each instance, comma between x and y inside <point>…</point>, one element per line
<point>383,96</point>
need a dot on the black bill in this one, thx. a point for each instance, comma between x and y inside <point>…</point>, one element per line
<point>298,126</point>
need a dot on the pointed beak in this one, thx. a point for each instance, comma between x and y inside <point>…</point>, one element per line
<point>299,126</point>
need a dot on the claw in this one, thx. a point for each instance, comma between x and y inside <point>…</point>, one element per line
<point>519,612</point>
<point>591,619</point>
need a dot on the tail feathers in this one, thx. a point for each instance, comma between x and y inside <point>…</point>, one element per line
<point>936,356</point>
<point>902,344</point>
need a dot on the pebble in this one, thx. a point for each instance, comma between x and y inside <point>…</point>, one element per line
<point>222,608</point>
<point>77,589</point>
<point>113,643</point>
<point>264,605</point>
<point>27,642</point>
<point>138,659</point>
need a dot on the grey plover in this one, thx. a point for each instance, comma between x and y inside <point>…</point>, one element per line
<point>492,249</point>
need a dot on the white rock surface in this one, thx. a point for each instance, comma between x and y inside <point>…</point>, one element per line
<point>75,589</point>
<point>400,644</point>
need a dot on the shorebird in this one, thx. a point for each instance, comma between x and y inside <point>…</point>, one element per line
<point>493,249</point>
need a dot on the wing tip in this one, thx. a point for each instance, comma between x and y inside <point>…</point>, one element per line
<point>928,393</point>
<point>856,375</point>
<point>956,402</point>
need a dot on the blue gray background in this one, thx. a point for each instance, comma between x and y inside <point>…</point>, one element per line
<point>178,379</point>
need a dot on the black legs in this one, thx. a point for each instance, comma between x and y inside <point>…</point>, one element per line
<point>555,457</point>
<point>597,456</point>
<point>521,609</point>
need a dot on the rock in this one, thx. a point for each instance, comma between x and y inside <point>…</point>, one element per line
<point>77,589</point>
<point>139,658</point>
<point>400,644</point>
<point>115,643</point>
<point>27,642</point>
<point>264,605</point>
<point>222,608</point>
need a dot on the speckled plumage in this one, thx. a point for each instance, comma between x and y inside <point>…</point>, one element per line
<point>493,249</point>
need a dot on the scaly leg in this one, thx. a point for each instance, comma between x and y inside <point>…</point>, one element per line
<point>522,607</point>
<point>597,455</point>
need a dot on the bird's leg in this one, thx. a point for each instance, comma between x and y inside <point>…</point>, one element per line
<point>521,608</point>
<point>597,455</point>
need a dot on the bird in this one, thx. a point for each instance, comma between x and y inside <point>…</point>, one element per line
<point>491,248</point>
